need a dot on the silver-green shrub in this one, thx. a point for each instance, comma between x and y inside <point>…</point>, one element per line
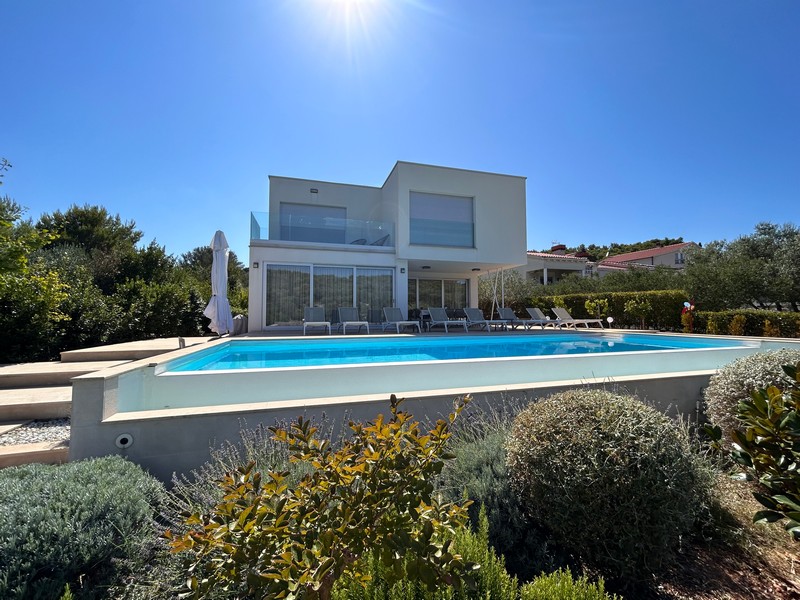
<point>479,473</point>
<point>614,480</point>
<point>79,524</point>
<point>734,383</point>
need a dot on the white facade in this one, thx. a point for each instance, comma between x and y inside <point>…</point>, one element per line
<point>425,229</point>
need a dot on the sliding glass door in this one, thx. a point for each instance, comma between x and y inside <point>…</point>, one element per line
<point>290,288</point>
<point>333,287</point>
<point>425,293</point>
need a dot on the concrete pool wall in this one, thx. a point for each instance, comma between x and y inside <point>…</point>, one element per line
<point>167,423</point>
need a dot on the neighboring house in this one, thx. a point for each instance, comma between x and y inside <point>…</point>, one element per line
<point>669,256</point>
<point>421,239</point>
<point>551,267</point>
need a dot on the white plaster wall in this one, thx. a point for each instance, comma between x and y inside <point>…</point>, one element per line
<point>362,202</point>
<point>500,216</point>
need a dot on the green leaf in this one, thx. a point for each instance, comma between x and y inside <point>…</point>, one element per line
<point>770,516</point>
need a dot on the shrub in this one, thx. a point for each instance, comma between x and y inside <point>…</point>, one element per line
<point>374,494</point>
<point>768,446</point>
<point>640,309</point>
<point>560,585</point>
<point>199,491</point>
<point>665,306</point>
<point>72,525</point>
<point>781,323</point>
<point>737,325</point>
<point>614,480</point>
<point>770,329</point>
<point>491,581</point>
<point>734,383</point>
<point>479,473</point>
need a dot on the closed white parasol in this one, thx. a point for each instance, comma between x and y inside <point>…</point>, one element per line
<point>219,309</point>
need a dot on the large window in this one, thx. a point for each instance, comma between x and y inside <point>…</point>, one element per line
<point>440,220</point>
<point>290,288</point>
<point>448,293</point>
<point>374,290</point>
<point>313,223</point>
<point>333,287</point>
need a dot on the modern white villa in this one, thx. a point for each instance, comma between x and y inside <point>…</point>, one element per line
<point>421,239</point>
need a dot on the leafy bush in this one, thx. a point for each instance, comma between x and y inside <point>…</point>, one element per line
<point>72,524</point>
<point>614,480</point>
<point>560,585</point>
<point>374,494</point>
<point>735,382</point>
<point>479,473</point>
<point>768,446</point>
<point>640,309</point>
<point>199,491</point>
<point>491,581</point>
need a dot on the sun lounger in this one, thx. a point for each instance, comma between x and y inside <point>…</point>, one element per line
<point>508,315</point>
<point>566,319</point>
<point>314,316</point>
<point>439,317</point>
<point>475,316</point>
<point>539,318</point>
<point>349,316</point>
<point>394,318</point>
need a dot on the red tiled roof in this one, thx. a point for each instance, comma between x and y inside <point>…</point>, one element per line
<point>611,265</point>
<point>558,256</point>
<point>643,254</point>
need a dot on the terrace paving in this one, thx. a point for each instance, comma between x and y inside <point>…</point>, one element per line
<point>42,391</point>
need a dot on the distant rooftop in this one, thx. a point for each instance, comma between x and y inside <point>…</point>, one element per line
<point>645,254</point>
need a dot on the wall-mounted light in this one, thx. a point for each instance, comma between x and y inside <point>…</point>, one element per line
<point>255,265</point>
<point>402,269</point>
<point>425,267</point>
<point>475,269</point>
<point>314,191</point>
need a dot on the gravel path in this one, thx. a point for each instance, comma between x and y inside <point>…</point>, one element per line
<point>55,430</point>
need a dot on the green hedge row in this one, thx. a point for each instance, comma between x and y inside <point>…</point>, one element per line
<point>665,314</point>
<point>767,323</point>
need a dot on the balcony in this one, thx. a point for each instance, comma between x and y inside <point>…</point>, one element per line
<point>325,230</point>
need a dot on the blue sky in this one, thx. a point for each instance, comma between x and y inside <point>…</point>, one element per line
<point>631,119</point>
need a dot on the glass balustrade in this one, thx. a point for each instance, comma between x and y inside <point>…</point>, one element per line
<point>323,230</point>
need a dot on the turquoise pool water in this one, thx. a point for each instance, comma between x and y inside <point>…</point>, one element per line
<point>267,354</point>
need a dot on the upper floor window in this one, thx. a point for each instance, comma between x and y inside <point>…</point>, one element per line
<point>679,258</point>
<point>440,220</point>
<point>313,223</point>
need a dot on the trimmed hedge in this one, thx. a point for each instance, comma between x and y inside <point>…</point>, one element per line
<point>614,480</point>
<point>767,323</point>
<point>666,307</point>
<point>76,524</point>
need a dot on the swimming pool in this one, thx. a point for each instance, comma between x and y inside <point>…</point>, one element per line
<point>306,370</point>
<point>285,353</point>
<point>165,418</point>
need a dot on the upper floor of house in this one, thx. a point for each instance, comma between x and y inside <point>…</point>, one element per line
<point>421,212</point>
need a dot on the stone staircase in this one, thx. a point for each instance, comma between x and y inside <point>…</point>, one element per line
<point>42,391</point>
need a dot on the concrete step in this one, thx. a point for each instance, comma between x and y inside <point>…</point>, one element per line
<point>48,374</point>
<point>6,426</point>
<point>50,453</point>
<point>35,403</point>
<point>130,350</point>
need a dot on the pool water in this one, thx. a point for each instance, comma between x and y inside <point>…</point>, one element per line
<point>272,354</point>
